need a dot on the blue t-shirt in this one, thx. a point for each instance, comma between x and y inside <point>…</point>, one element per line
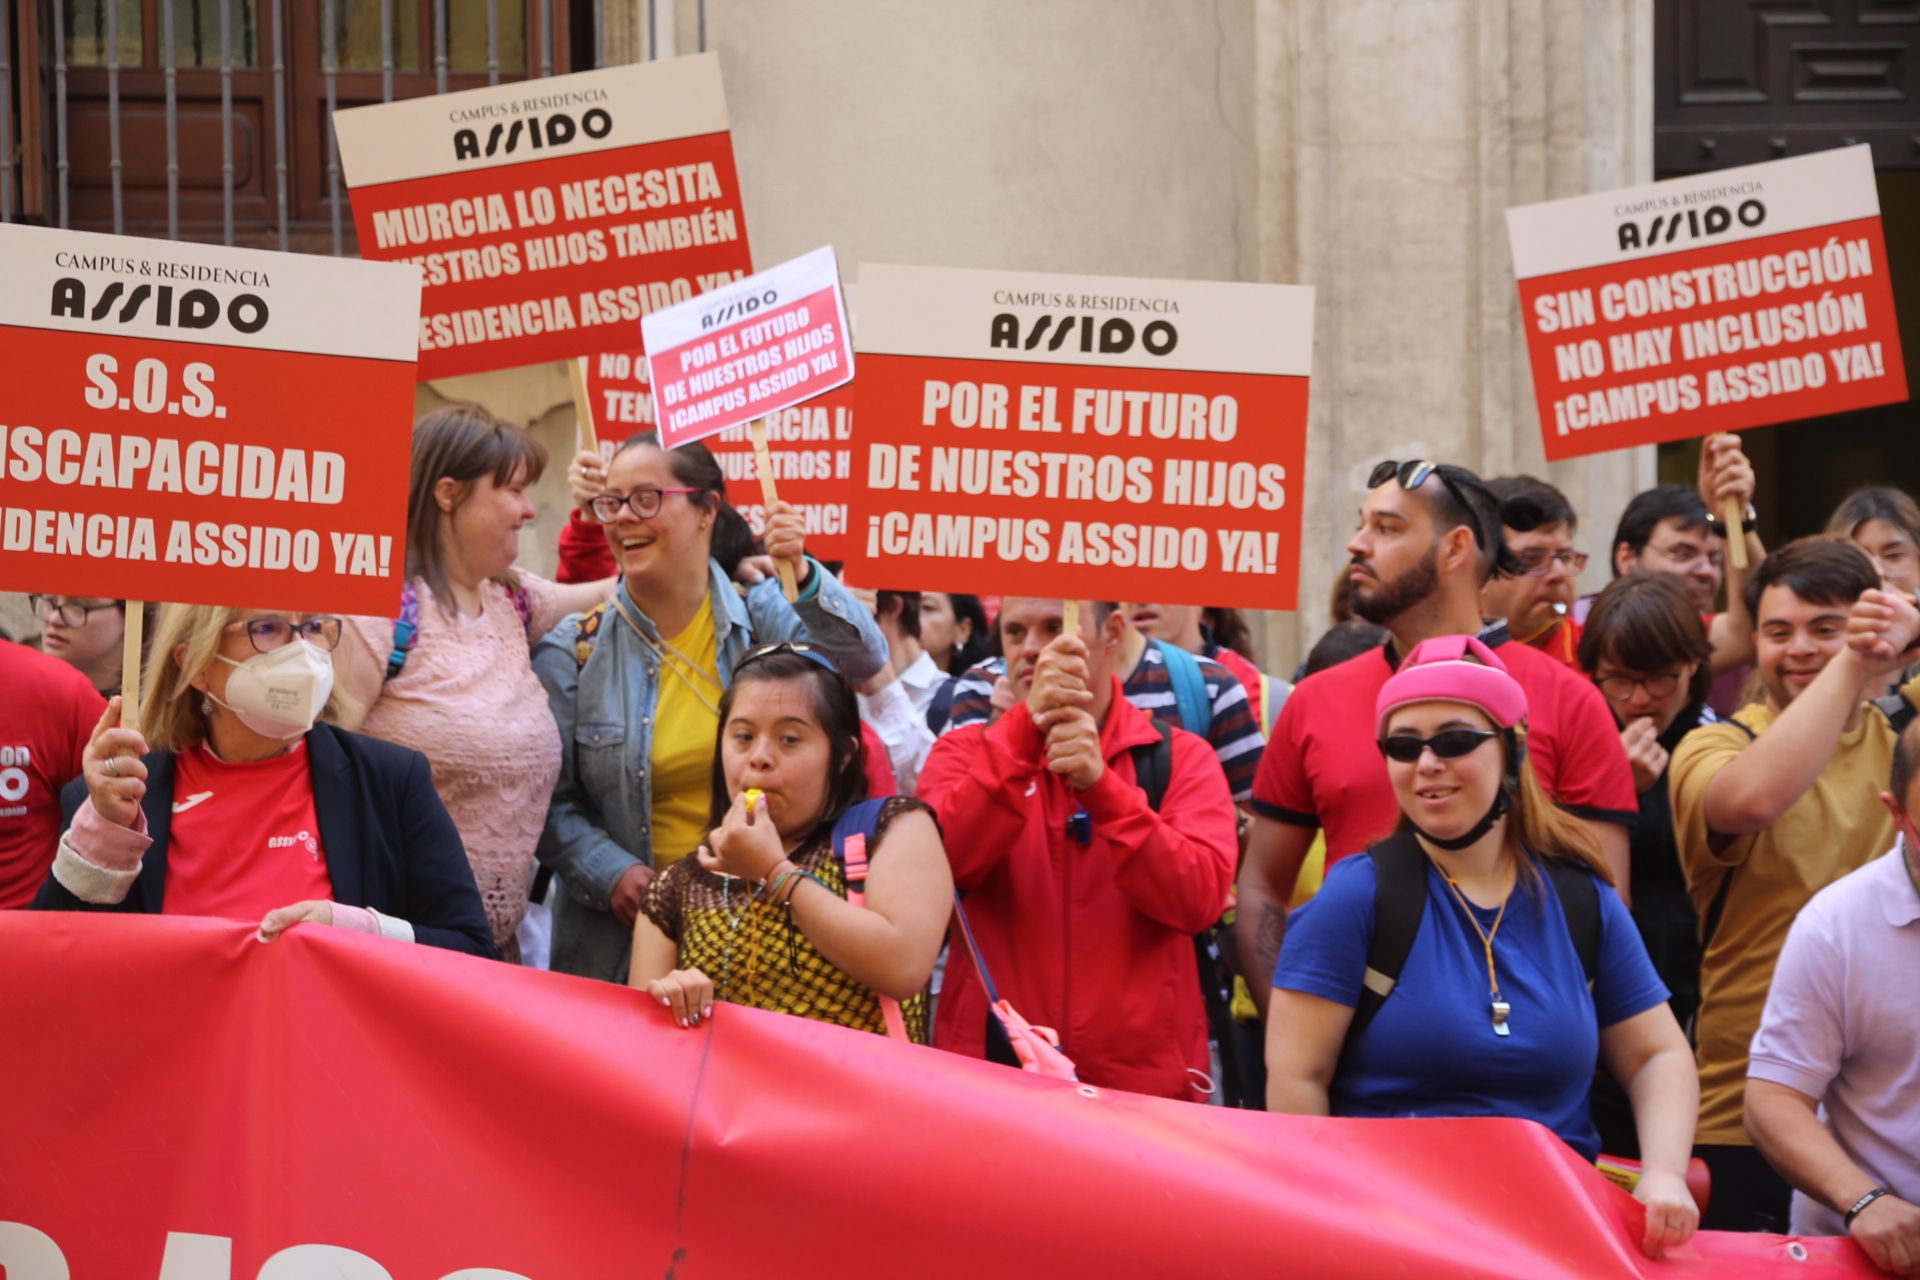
<point>1431,1050</point>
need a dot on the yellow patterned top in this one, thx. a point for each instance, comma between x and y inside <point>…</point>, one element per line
<point>755,954</point>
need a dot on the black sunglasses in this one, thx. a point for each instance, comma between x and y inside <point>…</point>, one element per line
<point>1414,474</point>
<point>1448,744</point>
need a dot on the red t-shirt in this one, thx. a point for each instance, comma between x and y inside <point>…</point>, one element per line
<point>244,837</point>
<point>1562,643</point>
<point>50,711</point>
<point>1323,769</point>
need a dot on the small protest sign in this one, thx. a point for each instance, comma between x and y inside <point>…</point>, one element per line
<point>550,215</point>
<point>748,349</point>
<point>206,425</point>
<point>1085,437</point>
<point>1710,303</point>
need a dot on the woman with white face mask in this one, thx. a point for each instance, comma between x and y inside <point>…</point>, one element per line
<point>237,803</point>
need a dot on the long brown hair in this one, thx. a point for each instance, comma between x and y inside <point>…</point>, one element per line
<point>460,442</point>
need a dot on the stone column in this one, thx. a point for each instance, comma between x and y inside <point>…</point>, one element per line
<point>1392,137</point>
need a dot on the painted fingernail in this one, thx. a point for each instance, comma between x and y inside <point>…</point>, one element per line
<point>683,1022</point>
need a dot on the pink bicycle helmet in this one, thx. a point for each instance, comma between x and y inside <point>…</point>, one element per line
<point>1453,669</point>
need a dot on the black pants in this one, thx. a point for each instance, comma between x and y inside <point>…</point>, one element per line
<point>1747,1194</point>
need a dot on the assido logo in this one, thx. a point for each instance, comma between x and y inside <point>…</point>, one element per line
<point>555,129</point>
<point>191,309</point>
<point>1088,334</point>
<point>1699,224</point>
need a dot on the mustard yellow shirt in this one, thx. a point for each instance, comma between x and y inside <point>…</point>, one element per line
<point>685,725</point>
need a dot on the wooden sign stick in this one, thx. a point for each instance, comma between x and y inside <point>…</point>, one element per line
<point>1730,513</point>
<point>133,641</point>
<point>582,406</point>
<point>1070,618</point>
<point>770,494</point>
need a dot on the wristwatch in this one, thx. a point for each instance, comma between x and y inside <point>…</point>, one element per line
<point>1748,520</point>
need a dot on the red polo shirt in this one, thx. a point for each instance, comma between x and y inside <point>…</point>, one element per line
<point>1324,769</point>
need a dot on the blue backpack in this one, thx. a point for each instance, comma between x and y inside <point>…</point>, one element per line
<point>1189,688</point>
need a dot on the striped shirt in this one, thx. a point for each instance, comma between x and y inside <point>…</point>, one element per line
<point>1234,733</point>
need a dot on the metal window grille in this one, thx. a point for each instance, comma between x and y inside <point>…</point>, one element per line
<point>91,34</point>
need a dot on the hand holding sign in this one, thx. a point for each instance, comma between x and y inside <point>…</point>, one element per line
<point>116,778</point>
<point>1726,486</point>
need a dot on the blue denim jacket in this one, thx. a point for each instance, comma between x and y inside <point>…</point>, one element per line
<point>597,825</point>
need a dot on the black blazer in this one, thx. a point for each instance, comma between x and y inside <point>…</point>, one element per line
<point>389,842</point>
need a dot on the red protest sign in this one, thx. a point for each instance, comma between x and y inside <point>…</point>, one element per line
<point>549,216</point>
<point>619,395</point>
<point>206,425</point>
<point>1082,437</point>
<point>811,448</point>
<point>748,349</point>
<point>1711,303</point>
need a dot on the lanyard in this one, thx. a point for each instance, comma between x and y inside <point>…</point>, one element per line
<point>1501,1009</point>
<point>663,650</point>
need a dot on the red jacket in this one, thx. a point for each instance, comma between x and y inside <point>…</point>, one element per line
<point>1095,941</point>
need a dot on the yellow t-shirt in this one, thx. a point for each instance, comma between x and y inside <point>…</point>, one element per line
<point>685,725</point>
<point>1836,827</point>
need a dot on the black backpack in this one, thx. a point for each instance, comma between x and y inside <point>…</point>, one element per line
<point>1400,898</point>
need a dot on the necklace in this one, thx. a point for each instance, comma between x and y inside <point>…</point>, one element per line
<point>1501,1009</point>
<point>725,991</point>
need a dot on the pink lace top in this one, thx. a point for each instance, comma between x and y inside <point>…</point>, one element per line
<point>468,700</point>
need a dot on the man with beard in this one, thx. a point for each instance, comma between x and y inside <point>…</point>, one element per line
<point>1428,541</point>
<point>1775,803</point>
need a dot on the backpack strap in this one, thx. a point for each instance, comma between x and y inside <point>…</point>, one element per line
<point>1189,688</point>
<point>1899,712</point>
<point>588,634</point>
<point>1273,696</point>
<point>1399,901</point>
<point>522,605</point>
<point>1711,920</point>
<point>852,835</point>
<point>405,628</point>
<point>1153,765</point>
<point>1580,904</point>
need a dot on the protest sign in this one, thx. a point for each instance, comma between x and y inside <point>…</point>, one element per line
<point>748,349</point>
<point>550,215</point>
<point>206,425</point>
<point>1080,436</point>
<point>1709,303</point>
<point>330,1105</point>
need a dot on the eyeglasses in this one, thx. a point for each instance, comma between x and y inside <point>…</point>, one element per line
<point>1620,688</point>
<point>1448,744</point>
<point>644,503</point>
<point>270,633</point>
<point>70,611</point>
<point>1684,555</point>
<point>1535,561</point>
<point>811,652</point>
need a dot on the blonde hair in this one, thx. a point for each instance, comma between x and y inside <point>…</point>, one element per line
<point>170,707</point>
<point>1541,829</point>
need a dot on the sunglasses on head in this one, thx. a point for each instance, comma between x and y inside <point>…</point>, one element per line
<point>1448,744</point>
<point>812,653</point>
<point>1412,475</point>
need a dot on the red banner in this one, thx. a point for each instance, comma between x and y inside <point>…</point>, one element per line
<point>1716,302</point>
<point>190,1104</point>
<point>550,216</point>
<point>201,424</point>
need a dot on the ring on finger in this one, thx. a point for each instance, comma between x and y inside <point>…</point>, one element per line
<point>113,767</point>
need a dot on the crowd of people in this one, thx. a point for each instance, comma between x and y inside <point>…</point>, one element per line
<point>1639,866</point>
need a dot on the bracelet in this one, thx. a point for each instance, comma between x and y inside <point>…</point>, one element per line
<point>1863,1202</point>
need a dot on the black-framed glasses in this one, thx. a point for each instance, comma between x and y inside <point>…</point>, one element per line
<point>1535,561</point>
<point>69,610</point>
<point>272,632</point>
<point>1620,688</point>
<point>645,503</point>
<point>811,652</point>
<point>1448,744</point>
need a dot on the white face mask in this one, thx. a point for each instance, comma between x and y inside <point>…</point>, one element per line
<point>279,694</point>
